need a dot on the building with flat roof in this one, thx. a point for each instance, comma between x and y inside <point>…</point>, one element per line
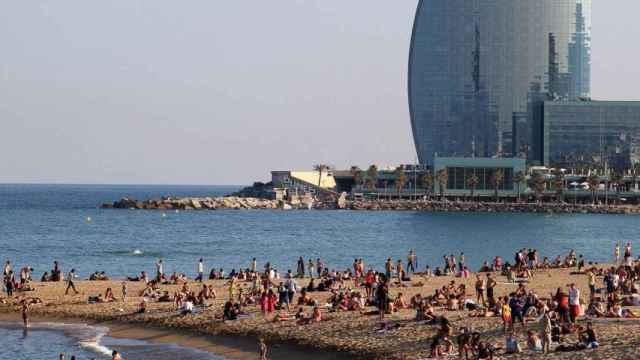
<point>477,68</point>
<point>459,170</point>
<point>603,133</point>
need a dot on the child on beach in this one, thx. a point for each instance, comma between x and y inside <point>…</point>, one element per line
<point>262,348</point>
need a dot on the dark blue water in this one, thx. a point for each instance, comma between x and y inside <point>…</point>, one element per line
<point>49,340</point>
<point>40,223</point>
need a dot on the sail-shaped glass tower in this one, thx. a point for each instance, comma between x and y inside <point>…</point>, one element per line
<point>477,68</point>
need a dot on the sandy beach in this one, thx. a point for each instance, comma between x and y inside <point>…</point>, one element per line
<point>347,334</point>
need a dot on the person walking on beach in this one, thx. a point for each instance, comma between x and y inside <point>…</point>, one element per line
<point>70,284</point>
<point>262,348</point>
<point>200,270</point>
<point>159,270</point>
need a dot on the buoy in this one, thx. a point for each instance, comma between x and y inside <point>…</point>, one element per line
<point>164,215</point>
<point>88,218</point>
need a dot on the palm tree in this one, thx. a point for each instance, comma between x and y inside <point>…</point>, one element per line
<point>320,168</point>
<point>519,178</point>
<point>558,184</point>
<point>372,178</point>
<point>357,175</point>
<point>594,182</point>
<point>538,184</point>
<point>617,180</point>
<point>496,180</point>
<point>427,181</point>
<point>443,178</point>
<point>400,179</point>
<point>472,183</point>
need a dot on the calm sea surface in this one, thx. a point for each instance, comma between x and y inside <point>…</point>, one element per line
<point>42,223</point>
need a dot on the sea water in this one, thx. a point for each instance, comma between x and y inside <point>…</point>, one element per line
<point>45,340</point>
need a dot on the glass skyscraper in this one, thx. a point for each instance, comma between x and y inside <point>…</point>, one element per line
<point>479,69</point>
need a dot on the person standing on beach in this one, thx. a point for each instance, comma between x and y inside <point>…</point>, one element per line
<point>545,330</point>
<point>124,291</point>
<point>7,268</point>
<point>262,348</point>
<point>319,266</point>
<point>574,302</point>
<point>616,254</point>
<point>159,270</point>
<point>388,268</point>
<point>311,268</point>
<point>300,268</point>
<point>254,265</point>
<point>25,312</point>
<point>628,261</point>
<point>410,262</point>
<point>491,284</point>
<point>70,284</point>
<point>200,270</point>
<point>480,285</point>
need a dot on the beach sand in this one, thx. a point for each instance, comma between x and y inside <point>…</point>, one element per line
<point>342,335</point>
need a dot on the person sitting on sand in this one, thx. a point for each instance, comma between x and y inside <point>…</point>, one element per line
<point>108,296</point>
<point>588,336</point>
<point>142,307</point>
<point>399,303</point>
<point>512,344</point>
<point>187,308</point>
<point>533,341</point>
<point>230,312</point>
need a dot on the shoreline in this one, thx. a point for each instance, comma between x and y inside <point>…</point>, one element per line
<point>232,348</point>
<point>340,335</point>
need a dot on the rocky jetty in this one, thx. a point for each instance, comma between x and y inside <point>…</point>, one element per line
<point>195,203</point>
<point>492,207</point>
<point>342,203</point>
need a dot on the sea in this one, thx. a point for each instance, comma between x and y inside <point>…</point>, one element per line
<point>43,223</point>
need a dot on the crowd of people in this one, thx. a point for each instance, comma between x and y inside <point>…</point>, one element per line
<point>286,297</point>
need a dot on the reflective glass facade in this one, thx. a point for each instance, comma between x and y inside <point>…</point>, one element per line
<point>477,68</point>
<point>591,133</point>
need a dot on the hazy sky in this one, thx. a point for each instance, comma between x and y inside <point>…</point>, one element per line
<point>221,92</point>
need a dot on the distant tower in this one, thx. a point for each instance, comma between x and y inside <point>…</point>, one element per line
<point>476,65</point>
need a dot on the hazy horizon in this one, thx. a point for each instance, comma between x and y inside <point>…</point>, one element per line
<point>156,92</point>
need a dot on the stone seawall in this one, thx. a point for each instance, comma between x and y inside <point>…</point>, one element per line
<point>193,203</point>
<point>233,202</point>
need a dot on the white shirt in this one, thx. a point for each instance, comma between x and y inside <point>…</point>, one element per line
<point>574,296</point>
<point>200,267</point>
<point>188,306</point>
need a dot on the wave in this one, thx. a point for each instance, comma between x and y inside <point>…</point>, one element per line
<point>87,336</point>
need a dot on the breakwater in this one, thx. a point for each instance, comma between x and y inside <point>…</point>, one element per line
<point>234,202</point>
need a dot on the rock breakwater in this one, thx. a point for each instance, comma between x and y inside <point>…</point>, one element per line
<point>236,202</point>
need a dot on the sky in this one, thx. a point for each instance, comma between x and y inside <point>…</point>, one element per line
<point>222,92</point>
